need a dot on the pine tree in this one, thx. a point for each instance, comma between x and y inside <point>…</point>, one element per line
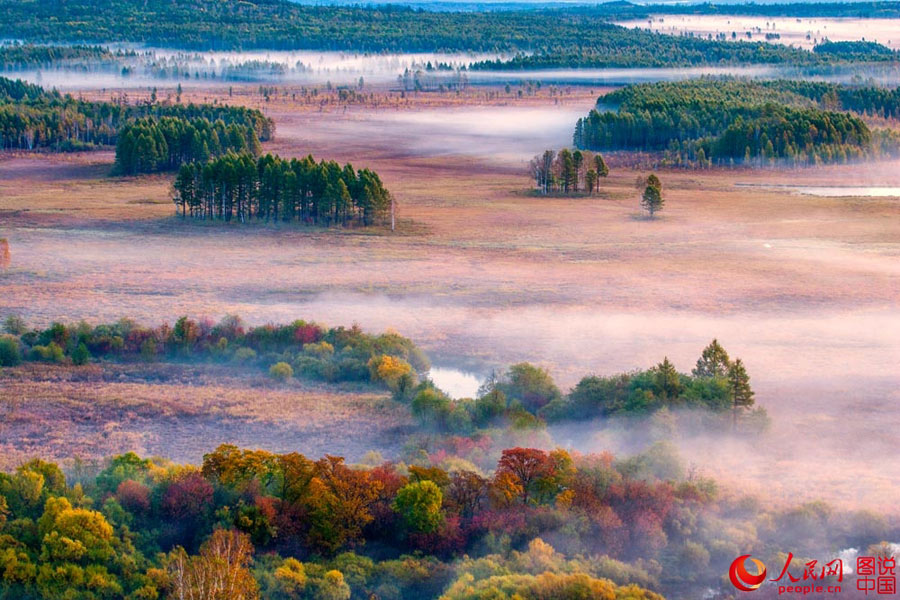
<point>652,200</point>
<point>667,380</point>
<point>739,388</point>
<point>600,166</point>
<point>713,361</point>
<point>590,180</point>
<point>577,162</point>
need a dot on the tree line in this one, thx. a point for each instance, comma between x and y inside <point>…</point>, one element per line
<point>872,101</point>
<point>568,171</point>
<point>860,51</point>
<point>310,350</point>
<point>32,118</point>
<point>271,189</point>
<point>16,57</point>
<point>148,145</point>
<point>708,121</point>
<point>526,396</point>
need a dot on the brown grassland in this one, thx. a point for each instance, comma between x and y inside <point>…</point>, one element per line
<point>481,273</point>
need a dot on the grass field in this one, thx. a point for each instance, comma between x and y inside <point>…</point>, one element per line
<point>176,411</point>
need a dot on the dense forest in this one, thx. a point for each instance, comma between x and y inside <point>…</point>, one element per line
<point>32,118</point>
<point>868,10</point>
<point>240,187</point>
<point>148,145</point>
<point>856,51</point>
<point>15,57</point>
<point>313,351</point>
<point>575,38</point>
<point>537,525</point>
<point>638,48</point>
<point>713,121</point>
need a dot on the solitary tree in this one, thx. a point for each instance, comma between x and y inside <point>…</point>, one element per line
<point>652,199</point>
<point>739,388</point>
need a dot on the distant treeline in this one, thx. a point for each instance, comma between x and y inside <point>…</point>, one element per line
<point>313,351</point>
<point>856,51</point>
<point>148,145</point>
<point>620,47</point>
<point>14,57</point>
<point>869,10</point>
<point>240,187</point>
<point>711,121</point>
<point>569,37</point>
<point>32,118</point>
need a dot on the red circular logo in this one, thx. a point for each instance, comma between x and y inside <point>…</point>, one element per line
<point>743,580</point>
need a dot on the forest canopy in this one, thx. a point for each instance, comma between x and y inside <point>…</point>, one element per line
<point>14,57</point>
<point>32,118</point>
<point>148,145</point>
<point>571,38</point>
<point>537,524</point>
<point>728,121</point>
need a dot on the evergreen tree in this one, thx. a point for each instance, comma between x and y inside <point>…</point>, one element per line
<point>739,388</point>
<point>590,180</point>
<point>667,380</point>
<point>600,165</point>
<point>577,162</point>
<point>713,361</point>
<point>652,199</point>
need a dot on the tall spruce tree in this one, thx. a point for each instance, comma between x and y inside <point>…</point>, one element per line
<point>739,388</point>
<point>667,380</point>
<point>713,361</point>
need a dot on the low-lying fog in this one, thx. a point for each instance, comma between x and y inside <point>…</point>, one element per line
<point>804,33</point>
<point>834,191</point>
<point>168,68</point>
<point>496,134</point>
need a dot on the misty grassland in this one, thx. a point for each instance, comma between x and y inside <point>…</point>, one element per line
<point>311,461</point>
<point>802,287</point>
